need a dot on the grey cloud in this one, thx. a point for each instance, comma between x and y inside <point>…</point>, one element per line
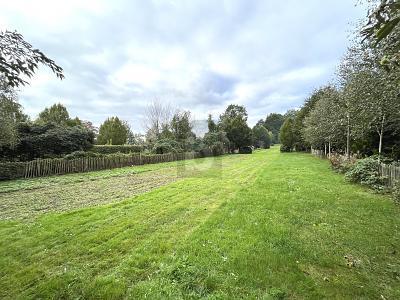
<point>198,55</point>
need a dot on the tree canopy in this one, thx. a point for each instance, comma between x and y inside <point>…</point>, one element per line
<point>234,122</point>
<point>112,132</point>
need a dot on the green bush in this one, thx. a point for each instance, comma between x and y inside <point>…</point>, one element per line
<point>11,170</point>
<point>285,148</point>
<point>396,192</point>
<point>81,154</point>
<point>245,150</point>
<point>47,141</point>
<point>366,172</point>
<point>163,146</point>
<point>110,149</point>
<point>218,149</point>
<point>341,163</point>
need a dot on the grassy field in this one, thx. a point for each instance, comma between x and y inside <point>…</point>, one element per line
<point>260,226</point>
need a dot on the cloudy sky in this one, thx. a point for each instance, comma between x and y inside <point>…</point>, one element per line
<point>118,55</point>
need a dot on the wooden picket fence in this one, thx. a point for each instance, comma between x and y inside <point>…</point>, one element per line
<point>48,167</point>
<point>391,172</point>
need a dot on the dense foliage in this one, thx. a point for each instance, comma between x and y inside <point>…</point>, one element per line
<point>360,112</point>
<point>262,138</point>
<point>112,132</point>
<point>234,122</point>
<point>273,123</point>
<point>366,172</point>
<point>110,149</point>
<point>46,141</point>
<point>287,135</point>
<point>10,115</point>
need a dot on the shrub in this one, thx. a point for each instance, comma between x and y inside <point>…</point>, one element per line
<point>110,149</point>
<point>205,152</point>
<point>218,149</point>
<point>47,141</point>
<point>396,192</point>
<point>285,148</point>
<point>341,163</point>
<point>11,170</point>
<point>366,171</point>
<point>245,150</point>
<point>163,146</point>
<point>81,154</point>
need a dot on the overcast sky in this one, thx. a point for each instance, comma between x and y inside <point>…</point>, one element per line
<point>198,55</point>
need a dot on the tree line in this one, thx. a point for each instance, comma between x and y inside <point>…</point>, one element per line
<point>360,111</point>
<point>54,133</point>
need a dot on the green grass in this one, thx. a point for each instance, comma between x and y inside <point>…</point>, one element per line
<point>261,226</point>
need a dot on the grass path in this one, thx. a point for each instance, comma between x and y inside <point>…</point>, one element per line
<point>261,226</point>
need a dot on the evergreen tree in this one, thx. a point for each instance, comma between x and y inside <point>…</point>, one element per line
<point>112,132</point>
<point>287,136</point>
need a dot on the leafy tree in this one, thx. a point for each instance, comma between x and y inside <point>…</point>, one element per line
<point>112,132</point>
<point>323,125</point>
<point>301,143</point>
<point>181,129</point>
<point>261,137</point>
<point>56,114</point>
<point>287,135</point>
<point>18,58</point>
<point>10,115</point>
<point>89,126</point>
<point>212,138</point>
<point>273,123</point>
<point>377,104</point>
<point>234,122</point>
<point>383,28</point>
<point>164,145</point>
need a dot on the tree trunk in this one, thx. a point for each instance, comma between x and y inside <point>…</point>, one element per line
<point>325,148</point>
<point>329,148</point>
<point>348,137</point>
<point>380,132</point>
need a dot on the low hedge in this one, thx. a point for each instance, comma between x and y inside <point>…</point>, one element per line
<point>12,170</point>
<point>111,149</point>
<point>245,150</point>
<point>81,154</point>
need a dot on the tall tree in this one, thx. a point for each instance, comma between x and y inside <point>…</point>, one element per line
<point>234,122</point>
<point>273,123</point>
<point>323,125</point>
<point>261,137</point>
<point>10,115</point>
<point>212,126</point>
<point>57,114</point>
<point>157,117</point>
<point>112,132</point>
<point>181,128</point>
<point>287,135</point>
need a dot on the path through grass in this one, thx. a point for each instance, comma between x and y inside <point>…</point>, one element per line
<point>261,226</point>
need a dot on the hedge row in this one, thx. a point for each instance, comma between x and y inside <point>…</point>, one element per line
<point>12,170</point>
<point>110,149</point>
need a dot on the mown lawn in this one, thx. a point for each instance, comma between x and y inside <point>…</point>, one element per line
<point>260,226</point>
